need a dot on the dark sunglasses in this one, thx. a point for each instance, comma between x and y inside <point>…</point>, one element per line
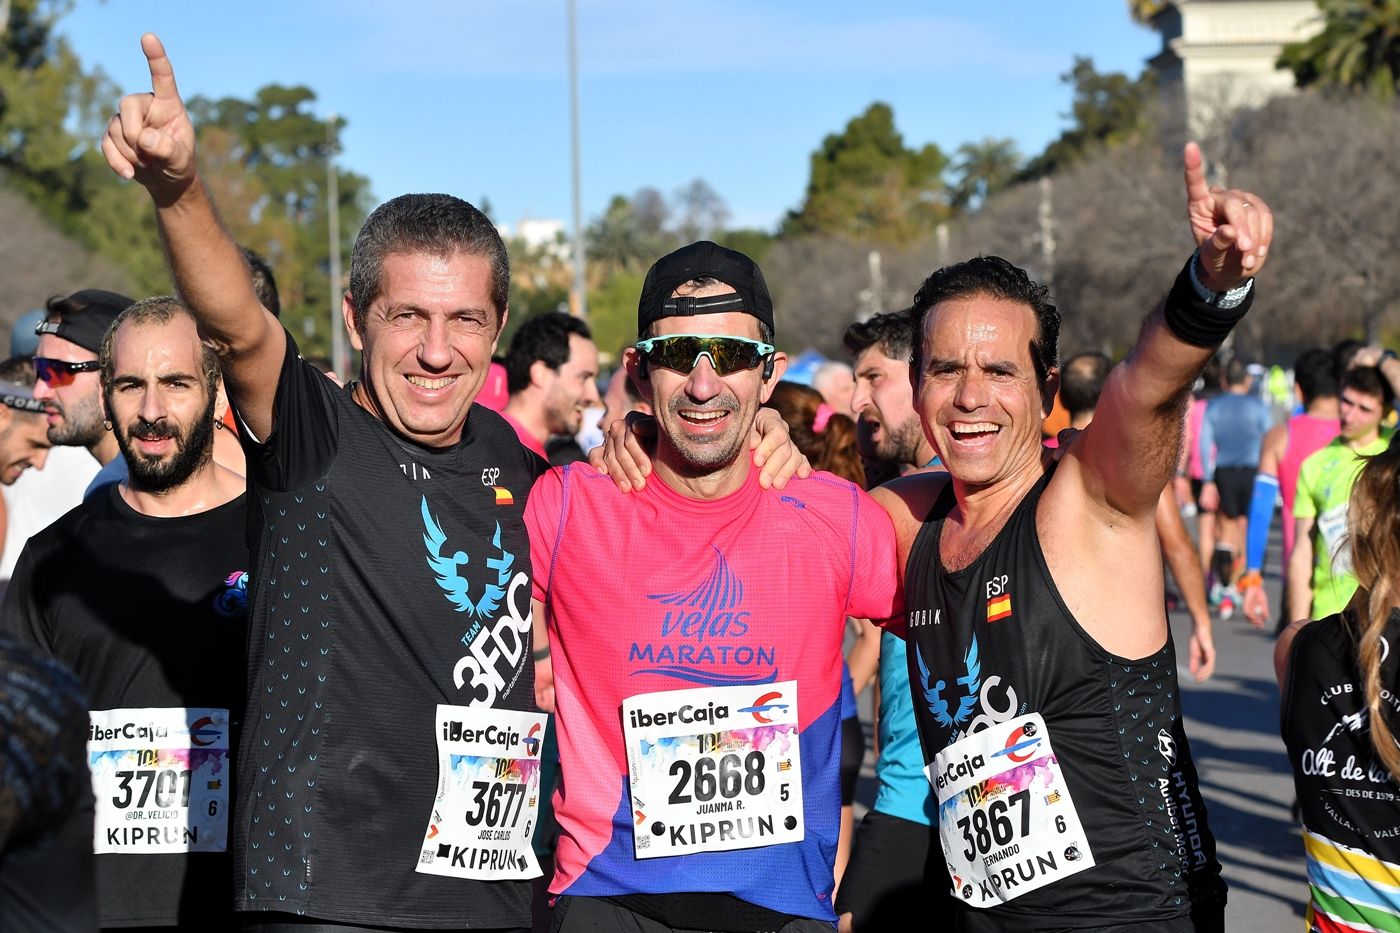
<point>59,373</point>
<point>682,352</point>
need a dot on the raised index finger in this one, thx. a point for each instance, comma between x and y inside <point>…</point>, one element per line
<point>162,74</point>
<point>1196,187</point>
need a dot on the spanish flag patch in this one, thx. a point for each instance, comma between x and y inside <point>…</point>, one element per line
<point>503,496</point>
<point>999,607</point>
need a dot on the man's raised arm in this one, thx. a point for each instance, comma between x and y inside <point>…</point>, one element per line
<point>1128,453</point>
<point>151,140</point>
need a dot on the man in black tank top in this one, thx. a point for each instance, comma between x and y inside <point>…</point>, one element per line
<point>1040,660</point>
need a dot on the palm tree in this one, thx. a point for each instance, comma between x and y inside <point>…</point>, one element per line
<point>983,168</point>
<point>1142,11</point>
<point>1358,47</point>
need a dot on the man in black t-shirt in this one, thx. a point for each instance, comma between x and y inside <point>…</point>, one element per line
<point>141,590</point>
<point>388,768</point>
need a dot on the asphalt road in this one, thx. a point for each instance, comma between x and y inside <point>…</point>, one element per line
<point>1232,722</point>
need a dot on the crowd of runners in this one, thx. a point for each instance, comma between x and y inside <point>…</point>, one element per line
<point>298,656</point>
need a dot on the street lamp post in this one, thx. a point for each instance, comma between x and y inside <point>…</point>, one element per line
<point>340,358</point>
<point>579,302</point>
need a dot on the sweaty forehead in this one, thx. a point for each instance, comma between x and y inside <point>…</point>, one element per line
<point>982,325</point>
<point>167,346</point>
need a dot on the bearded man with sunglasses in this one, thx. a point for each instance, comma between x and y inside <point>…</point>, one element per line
<point>696,630</point>
<point>66,369</point>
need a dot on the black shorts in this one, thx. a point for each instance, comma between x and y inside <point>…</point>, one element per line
<point>852,754</point>
<point>895,872</point>
<point>1236,485</point>
<point>574,914</point>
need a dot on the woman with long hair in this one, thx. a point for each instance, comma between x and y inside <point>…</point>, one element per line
<point>1341,703</point>
<point>827,439</point>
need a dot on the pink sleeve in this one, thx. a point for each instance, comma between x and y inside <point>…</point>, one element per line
<point>875,592</point>
<point>542,514</point>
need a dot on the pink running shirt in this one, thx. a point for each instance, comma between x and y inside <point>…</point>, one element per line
<point>653,591</point>
<point>1306,436</point>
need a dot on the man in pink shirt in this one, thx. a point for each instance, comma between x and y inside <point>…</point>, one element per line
<point>551,372</point>
<point>696,630</point>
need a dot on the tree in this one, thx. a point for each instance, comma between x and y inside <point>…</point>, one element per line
<point>703,212</point>
<point>983,169</point>
<point>864,183</point>
<point>617,241</point>
<point>1107,110</point>
<point>265,162</point>
<point>1142,11</point>
<point>1358,48</point>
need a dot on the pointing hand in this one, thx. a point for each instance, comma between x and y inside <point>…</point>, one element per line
<point>151,138</point>
<point>1232,228</point>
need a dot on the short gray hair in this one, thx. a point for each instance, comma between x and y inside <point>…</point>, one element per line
<point>436,224</point>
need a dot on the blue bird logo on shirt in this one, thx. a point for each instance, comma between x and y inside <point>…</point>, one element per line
<point>454,585</point>
<point>933,693</point>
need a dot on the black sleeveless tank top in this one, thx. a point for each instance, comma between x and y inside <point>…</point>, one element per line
<point>995,641</point>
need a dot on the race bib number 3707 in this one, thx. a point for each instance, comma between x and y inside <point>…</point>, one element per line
<point>1005,817</point>
<point>713,769</point>
<point>161,779</point>
<point>488,794</point>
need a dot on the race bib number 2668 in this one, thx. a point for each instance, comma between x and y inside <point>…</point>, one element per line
<point>713,769</point>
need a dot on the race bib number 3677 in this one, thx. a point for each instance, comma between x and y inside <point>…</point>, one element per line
<point>161,779</point>
<point>488,794</point>
<point>1005,817</point>
<point>713,769</point>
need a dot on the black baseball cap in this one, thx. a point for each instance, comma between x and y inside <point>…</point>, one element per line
<point>21,398</point>
<point>699,259</point>
<point>84,317</point>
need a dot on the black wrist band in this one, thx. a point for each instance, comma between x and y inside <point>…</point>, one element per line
<point>542,654</point>
<point>1196,322</point>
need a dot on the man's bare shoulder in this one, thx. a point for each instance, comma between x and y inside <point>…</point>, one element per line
<point>909,499</point>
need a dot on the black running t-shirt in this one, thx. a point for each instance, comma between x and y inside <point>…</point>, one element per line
<point>388,578</point>
<point>151,614</point>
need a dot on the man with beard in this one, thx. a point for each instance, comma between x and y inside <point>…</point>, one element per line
<point>66,365</point>
<point>141,590</point>
<point>67,385</point>
<point>895,860</point>
<point>552,374</point>
<point>884,398</point>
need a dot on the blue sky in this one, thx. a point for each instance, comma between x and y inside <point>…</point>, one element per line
<point>472,97</point>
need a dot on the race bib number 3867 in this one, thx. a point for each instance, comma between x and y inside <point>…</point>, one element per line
<point>1005,817</point>
<point>713,769</point>
<point>161,779</point>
